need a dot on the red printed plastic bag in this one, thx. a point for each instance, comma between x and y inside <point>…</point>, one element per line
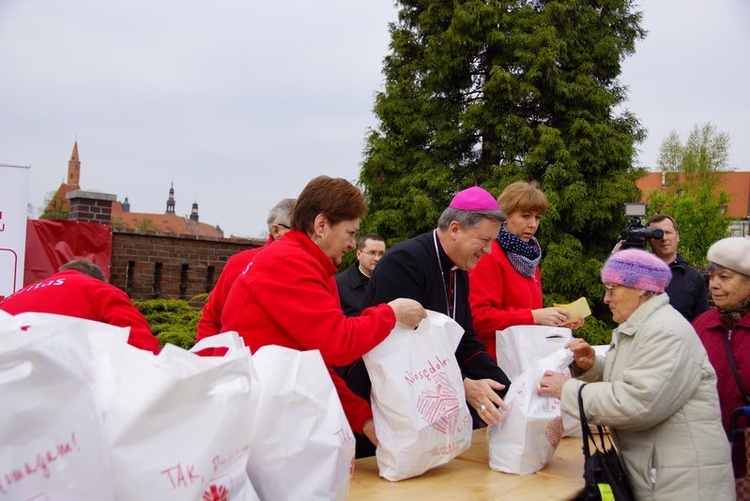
<point>532,427</point>
<point>51,441</point>
<point>418,400</point>
<point>177,424</point>
<point>302,444</point>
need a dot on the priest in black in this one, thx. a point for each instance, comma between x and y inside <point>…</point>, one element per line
<point>432,269</point>
<point>352,281</point>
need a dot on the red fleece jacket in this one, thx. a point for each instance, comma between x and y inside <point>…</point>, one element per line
<point>500,296</point>
<point>210,321</point>
<point>75,294</point>
<point>287,296</point>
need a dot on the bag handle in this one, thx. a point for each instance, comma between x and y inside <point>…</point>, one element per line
<point>586,431</point>
<point>730,356</point>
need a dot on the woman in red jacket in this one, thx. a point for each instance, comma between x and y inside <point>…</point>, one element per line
<point>287,295</point>
<point>505,287</point>
<point>725,330</point>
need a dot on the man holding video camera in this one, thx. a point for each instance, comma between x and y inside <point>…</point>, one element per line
<point>687,290</point>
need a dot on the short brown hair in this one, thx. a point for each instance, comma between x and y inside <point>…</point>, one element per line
<point>523,197</point>
<point>335,198</point>
<point>86,267</point>
<point>658,218</point>
<point>368,236</point>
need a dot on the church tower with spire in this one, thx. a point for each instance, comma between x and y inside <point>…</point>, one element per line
<point>194,212</point>
<point>170,200</point>
<point>74,168</point>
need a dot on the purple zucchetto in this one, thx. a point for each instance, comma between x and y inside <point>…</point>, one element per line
<point>638,269</point>
<point>474,199</point>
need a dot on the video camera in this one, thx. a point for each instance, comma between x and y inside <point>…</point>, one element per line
<point>635,234</point>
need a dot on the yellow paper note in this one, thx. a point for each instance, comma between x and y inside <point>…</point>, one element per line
<point>578,309</point>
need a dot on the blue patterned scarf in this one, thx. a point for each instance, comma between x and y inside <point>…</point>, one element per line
<point>524,257</point>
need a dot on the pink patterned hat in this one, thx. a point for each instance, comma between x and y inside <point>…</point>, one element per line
<point>638,269</point>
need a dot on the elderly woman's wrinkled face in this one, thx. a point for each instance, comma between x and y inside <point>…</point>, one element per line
<point>728,288</point>
<point>622,300</point>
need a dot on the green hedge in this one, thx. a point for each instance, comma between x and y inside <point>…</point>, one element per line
<point>175,321</point>
<point>172,321</point>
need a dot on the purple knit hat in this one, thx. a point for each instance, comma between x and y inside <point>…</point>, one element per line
<point>638,269</point>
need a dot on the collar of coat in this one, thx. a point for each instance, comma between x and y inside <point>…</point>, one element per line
<point>636,319</point>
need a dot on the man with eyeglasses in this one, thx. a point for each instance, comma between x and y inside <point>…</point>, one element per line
<point>352,282</point>
<point>210,320</point>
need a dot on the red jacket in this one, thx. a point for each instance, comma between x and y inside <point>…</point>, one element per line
<point>500,296</point>
<point>712,332</point>
<point>75,294</point>
<point>210,320</point>
<point>287,296</point>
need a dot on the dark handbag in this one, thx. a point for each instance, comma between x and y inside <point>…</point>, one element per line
<point>742,484</point>
<point>603,472</point>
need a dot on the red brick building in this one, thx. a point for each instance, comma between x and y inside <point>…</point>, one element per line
<point>152,255</point>
<point>735,183</point>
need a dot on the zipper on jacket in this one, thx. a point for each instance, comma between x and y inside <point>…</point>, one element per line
<point>729,335</point>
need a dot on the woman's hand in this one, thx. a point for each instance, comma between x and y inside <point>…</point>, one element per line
<point>550,316</point>
<point>368,429</point>
<point>480,394</point>
<point>408,312</point>
<point>575,325</point>
<point>583,353</point>
<point>551,384</point>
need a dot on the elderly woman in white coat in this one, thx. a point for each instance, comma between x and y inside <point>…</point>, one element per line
<point>655,388</point>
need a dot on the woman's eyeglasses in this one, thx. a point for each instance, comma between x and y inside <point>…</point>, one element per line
<point>283,226</point>
<point>609,289</point>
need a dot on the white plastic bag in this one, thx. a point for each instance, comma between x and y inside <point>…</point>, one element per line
<point>100,336</point>
<point>302,444</point>
<point>531,428</point>
<point>177,424</point>
<point>520,345</point>
<point>418,403</point>
<point>51,441</point>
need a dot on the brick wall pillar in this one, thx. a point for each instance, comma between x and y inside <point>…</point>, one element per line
<point>91,206</point>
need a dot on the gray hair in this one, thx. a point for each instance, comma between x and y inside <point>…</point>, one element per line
<point>468,218</point>
<point>282,210</point>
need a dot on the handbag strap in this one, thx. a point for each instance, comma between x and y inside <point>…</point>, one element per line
<point>585,431</point>
<point>732,363</point>
<point>588,435</point>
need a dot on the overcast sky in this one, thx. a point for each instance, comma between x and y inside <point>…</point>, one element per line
<point>240,103</point>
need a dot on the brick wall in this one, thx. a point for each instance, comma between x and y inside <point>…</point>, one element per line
<point>148,264</point>
<point>90,206</point>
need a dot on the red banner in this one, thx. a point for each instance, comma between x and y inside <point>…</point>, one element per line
<point>52,243</point>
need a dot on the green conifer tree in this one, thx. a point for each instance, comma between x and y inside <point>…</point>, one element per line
<point>489,92</point>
